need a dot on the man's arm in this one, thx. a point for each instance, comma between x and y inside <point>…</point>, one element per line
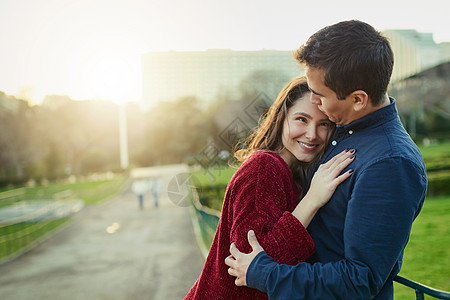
<point>379,218</point>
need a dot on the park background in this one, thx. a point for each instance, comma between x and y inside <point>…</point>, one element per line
<point>70,70</point>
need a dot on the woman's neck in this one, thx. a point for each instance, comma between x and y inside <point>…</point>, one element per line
<point>289,159</point>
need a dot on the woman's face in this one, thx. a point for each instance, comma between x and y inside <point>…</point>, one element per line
<point>305,131</point>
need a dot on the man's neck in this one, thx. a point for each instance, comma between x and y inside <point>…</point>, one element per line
<point>383,103</point>
<point>370,109</point>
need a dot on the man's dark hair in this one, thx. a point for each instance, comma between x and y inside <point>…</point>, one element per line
<point>353,56</point>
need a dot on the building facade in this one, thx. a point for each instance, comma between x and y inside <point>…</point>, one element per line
<point>413,52</point>
<point>223,73</point>
<point>213,74</point>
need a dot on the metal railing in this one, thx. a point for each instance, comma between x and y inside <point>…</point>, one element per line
<point>422,289</point>
<point>204,221</point>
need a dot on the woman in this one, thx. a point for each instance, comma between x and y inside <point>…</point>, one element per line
<point>264,193</point>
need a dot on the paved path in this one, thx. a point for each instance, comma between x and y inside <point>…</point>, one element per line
<point>152,254</point>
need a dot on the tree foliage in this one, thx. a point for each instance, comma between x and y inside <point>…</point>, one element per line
<point>64,137</point>
<point>172,131</point>
<point>423,102</point>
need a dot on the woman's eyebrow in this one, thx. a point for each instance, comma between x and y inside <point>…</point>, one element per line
<point>301,113</point>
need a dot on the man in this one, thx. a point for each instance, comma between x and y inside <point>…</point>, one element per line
<point>360,235</point>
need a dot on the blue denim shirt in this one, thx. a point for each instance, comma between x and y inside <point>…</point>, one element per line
<point>360,235</point>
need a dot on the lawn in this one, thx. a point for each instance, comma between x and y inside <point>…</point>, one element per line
<point>214,176</point>
<point>427,255</point>
<point>90,191</point>
<point>21,235</point>
<point>435,150</point>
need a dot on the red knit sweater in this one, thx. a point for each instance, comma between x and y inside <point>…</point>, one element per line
<point>260,196</point>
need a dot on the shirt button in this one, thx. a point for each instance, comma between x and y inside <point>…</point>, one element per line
<point>350,132</point>
<point>334,143</point>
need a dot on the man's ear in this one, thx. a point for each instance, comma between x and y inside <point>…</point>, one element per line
<point>360,100</point>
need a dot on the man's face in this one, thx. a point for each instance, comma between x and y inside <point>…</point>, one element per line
<point>338,111</point>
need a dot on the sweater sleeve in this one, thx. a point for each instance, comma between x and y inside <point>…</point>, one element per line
<point>262,207</point>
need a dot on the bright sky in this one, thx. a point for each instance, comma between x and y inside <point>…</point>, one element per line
<point>92,48</point>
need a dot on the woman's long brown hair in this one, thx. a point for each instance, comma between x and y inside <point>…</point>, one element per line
<point>268,134</point>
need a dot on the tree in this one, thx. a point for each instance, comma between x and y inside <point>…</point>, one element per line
<point>16,151</point>
<point>423,102</point>
<point>173,131</point>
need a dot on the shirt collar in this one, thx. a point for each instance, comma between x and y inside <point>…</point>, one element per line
<point>373,119</point>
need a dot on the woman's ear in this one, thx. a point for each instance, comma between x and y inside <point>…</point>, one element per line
<point>360,100</point>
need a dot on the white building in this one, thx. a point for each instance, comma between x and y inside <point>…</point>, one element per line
<point>413,52</point>
<point>209,74</point>
<point>445,47</point>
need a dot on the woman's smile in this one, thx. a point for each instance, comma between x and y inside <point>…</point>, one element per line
<point>308,146</point>
<point>305,131</point>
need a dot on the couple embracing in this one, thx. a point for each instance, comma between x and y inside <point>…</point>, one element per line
<point>329,186</point>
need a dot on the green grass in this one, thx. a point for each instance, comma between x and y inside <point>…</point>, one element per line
<point>436,157</point>
<point>91,192</point>
<point>211,185</point>
<point>19,236</point>
<point>435,150</point>
<point>214,176</point>
<point>427,255</point>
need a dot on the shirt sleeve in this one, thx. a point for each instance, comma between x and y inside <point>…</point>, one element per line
<point>379,217</point>
<point>263,208</point>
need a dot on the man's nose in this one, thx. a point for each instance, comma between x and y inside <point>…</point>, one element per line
<point>315,99</point>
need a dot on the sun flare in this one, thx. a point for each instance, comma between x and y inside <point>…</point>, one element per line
<point>111,78</point>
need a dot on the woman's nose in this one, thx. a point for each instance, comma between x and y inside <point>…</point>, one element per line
<point>311,132</point>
